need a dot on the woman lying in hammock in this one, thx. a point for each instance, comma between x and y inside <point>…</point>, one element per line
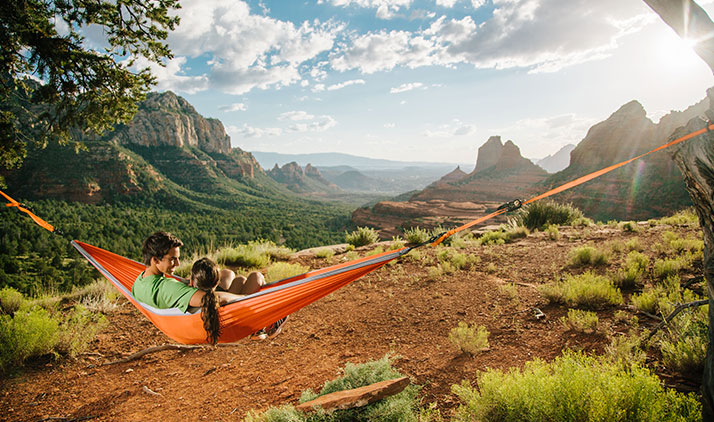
<point>155,287</point>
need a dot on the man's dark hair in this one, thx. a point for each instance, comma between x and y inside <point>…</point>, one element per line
<point>158,244</point>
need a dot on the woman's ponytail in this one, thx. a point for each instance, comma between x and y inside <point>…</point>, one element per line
<point>205,276</point>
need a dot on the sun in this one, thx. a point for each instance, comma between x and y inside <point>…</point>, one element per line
<point>677,54</point>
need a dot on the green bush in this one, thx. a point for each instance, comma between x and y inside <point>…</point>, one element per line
<point>686,217</point>
<point>502,236</point>
<point>280,270</point>
<point>362,236</point>
<point>588,255</point>
<point>630,226</point>
<point>77,331</point>
<point>626,351</point>
<point>664,268</point>
<point>324,253</point>
<point>635,266</point>
<point>574,387</point>
<point>397,243</point>
<point>580,320</point>
<point>552,232</point>
<point>29,333</point>
<point>540,214</point>
<point>416,235</point>
<point>469,339</point>
<point>399,407</point>
<point>10,300</point>
<point>586,290</point>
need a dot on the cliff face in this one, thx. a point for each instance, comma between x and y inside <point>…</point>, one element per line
<point>488,154</point>
<point>558,161</point>
<point>649,187</point>
<point>165,119</point>
<point>167,141</point>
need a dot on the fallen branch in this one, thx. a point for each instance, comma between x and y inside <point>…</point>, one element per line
<point>674,313</point>
<point>155,349</point>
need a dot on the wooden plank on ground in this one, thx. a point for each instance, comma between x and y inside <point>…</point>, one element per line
<point>358,397</point>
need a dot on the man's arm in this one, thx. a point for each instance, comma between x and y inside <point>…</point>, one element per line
<point>223,298</point>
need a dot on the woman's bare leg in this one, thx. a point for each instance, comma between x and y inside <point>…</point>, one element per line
<point>241,285</point>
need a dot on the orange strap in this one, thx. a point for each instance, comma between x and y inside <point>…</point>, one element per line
<point>576,182</point>
<point>42,223</point>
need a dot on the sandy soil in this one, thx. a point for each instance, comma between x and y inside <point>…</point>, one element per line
<point>396,310</point>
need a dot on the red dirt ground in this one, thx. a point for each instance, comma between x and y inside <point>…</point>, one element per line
<point>396,310</point>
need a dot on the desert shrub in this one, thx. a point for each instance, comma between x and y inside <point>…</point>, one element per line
<point>399,407</point>
<point>10,300</point>
<point>324,253</point>
<point>580,320</point>
<point>247,256</point>
<point>552,232</point>
<point>683,342</point>
<point>510,290</point>
<point>469,339</point>
<point>493,238</point>
<point>280,270</point>
<point>680,245</point>
<point>99,296</point>
<point>626,350</point>
<point>664,268</point>
<point>397,243</point>
<point>491,268</point>
<point>629,226</point>
<point>647,301</point>
<point>540,214</point>
<point>586,290</point>
<point>77,331</point>
<point>363,236</point>
<point>29,333</point>
<point>416,235</point>
<point>588,255</point>
<point>634,267</point>
<point>502,236</point>
<point>686,217</point>
<point>573,387</point>
<point>633,244</point>
<point>582,222</point>
<point>435,273</point>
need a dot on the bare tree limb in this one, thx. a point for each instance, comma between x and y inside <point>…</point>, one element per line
<point>674,313</point>
<point>156,349</point>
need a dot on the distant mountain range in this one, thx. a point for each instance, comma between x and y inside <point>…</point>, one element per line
<point>170,156</point>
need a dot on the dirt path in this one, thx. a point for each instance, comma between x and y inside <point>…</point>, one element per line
<point>396,310</point>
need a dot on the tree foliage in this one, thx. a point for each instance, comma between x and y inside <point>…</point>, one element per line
<point>55,87</point>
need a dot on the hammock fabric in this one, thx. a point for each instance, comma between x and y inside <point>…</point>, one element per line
<point>245,316</point>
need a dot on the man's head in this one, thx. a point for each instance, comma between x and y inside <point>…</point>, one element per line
<point>160,247</point>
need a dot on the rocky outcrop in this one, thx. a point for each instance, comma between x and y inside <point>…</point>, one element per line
<point>488,154</point>
<point>165,119</point>
<point>501,176</point>
<point>298,180</point>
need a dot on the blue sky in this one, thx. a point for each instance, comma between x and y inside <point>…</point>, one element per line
<point>425,80</point>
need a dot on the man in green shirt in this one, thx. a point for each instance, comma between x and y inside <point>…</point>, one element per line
<point>155,287</point>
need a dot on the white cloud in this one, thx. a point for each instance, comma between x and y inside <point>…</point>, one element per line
<point>541,35</point>
<point>296,115</point>
<point>446,3</point>
<point>386,9</point>
<point>345,84</point>
<point>551,133</point>
<point>246,131</point>
<point>450,130</point>
<point>307,122</point>
<point>317,124</point>
<point>233,107</point>
<point>406,87</point>
<point>246,51</point>
<point>172,77</point>
<point>383,51</point>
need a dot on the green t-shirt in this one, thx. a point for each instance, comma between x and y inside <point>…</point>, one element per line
<point>162,292</point>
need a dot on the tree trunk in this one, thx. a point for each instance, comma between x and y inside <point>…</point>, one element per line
<point>690,22</point>
<point>695,158</point>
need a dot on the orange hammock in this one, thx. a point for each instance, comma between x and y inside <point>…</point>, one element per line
<point>246,315</point>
